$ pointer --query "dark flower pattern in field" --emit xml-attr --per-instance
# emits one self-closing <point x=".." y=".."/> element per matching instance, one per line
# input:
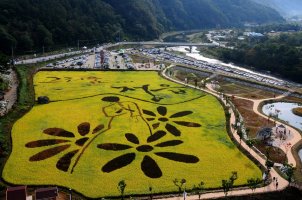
<point x="63" y="141"/>
<point x="148" y="165"/>
<point x="170" y="122"/>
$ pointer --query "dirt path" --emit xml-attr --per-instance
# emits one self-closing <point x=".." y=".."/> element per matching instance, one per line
<point x="282" y="183"/>
<point x="11" y="96"/>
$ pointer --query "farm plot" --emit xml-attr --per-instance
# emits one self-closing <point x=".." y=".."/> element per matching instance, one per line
<point x="103" y="127"/>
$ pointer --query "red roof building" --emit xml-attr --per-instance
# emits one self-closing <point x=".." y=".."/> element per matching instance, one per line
<point x="16" y="193"/>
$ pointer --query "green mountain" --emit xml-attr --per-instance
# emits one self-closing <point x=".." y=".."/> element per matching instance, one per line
<point x="31" y="24"/>
<point x="286" y="8"/>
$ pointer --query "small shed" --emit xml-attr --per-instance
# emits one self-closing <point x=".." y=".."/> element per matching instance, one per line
<point x="47" y="193"/>
<point x="280" y="129"/>
<point x="16" y="193"/>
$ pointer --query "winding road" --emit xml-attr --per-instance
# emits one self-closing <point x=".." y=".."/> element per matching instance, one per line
<point x="282" y="183"/>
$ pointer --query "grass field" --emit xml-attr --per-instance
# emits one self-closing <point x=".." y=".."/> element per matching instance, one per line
<point x="103" y="127"/>
<point x="245" y="91"/>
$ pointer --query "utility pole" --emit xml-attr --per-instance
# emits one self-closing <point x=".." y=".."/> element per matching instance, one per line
<point x="78" y="45"/>
<point x="13" y="62"/>
<point x="43" y="50"/>
<point x="12" y="52"/>
<point x="120" y="36"/>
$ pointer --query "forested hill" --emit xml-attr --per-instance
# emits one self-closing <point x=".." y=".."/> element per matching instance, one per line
<point x="31" y="24"/>
<point x="287" y="8"/>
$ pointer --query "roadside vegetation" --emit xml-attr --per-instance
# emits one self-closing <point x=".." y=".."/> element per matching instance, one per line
<point x="3" y="84"/>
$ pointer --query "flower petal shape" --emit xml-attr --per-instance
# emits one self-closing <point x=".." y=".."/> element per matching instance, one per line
<point x="82" y="141"/>
<point x="162" y="110"/>
<point x="84" y="128"/>
<point x="181" y="114"/>
<point x="178" y="157"/>
<point x="64" y="163"/>
<point x="148" y="112"/>
<point x="48" y="153"/>
<point x="173" y="130"/>
<point x="150" y="119"/>
<point x="98" y="129"/>
<point x="114" y="147"/>
<point x="132" y="138"/>
<point x="156" y="136"/>
<point x="169" y="143"/>
<point x="43" y="143"/>
<point x="58" y="132"/>
<point x="119" y="162"/>
<point x="150" y="168"/>
<point x="156" y="125"/>
<point x="188" y="124"/>
<point x="111" y="99"/>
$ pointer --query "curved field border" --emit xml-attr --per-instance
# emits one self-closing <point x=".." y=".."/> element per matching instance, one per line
<point x="273" y="173"/>
<point x="218" y="186"/>
<point x="268" y="188"/>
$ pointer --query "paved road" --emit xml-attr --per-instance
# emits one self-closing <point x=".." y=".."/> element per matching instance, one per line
<point x="167" y="44"/>
<point x="46" y="58"/>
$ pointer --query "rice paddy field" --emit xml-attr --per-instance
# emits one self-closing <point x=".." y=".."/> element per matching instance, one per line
<point x="103" y="127"/>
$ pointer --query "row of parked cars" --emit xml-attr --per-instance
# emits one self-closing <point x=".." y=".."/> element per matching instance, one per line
<point x="70" y="63"/>
<point x="98" y="60"/>
<point x="128" y="61"/>
<point x="163" y="55"/>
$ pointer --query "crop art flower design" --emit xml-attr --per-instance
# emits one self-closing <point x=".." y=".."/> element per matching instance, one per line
<point x="148" y="165"/>
<point x="64" y="141"/>
<point x="171" y="122"/>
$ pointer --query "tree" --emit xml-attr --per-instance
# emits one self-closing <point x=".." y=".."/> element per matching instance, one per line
<point x="240" y="134"/>
<point x="247" y="131"/>
<point x="121" y="187"/>
<point x="253" y="183"/>
<point x="289" y="172"/>
<point x="4" y="60"/>
<point x="179" y="184"/>
<point x="269" y="164"/>
<point x="199" y="189"/>
<point x="227" y="185"/>
<point x="250" y="143"/>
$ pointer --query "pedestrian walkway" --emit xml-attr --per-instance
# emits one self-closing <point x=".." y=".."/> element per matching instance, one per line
<point x="281" y="183"/>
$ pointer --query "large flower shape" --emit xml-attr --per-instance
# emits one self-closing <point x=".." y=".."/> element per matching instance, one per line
<point x="64" y="140"/>
<point x="170" y="121"/>
<point x="148" y="165"/>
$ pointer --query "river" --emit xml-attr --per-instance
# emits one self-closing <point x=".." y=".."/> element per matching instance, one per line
<point x="196" y="55"/>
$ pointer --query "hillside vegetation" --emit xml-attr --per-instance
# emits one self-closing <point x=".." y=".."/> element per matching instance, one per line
<point x="29" y="25"/>
<point x="286" y="8"/>
<point x="280" y="55"/>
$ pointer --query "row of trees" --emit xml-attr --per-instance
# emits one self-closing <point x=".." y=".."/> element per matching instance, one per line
<point x="227" y="185"/>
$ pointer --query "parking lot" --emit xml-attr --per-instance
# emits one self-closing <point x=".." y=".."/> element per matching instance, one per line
<point x="79" y="62"/>
<point x="165" y="56"/>
<point x="113" y="60"/>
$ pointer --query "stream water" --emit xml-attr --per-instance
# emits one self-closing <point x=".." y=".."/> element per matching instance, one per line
<point x="196" y="55"/>
<point x="284" y="112"/>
